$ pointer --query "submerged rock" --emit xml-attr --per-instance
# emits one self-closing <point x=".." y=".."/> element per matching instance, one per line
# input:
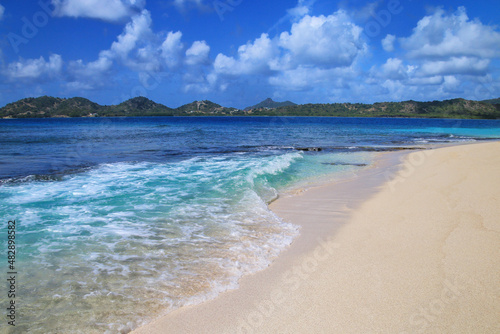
<point x="312" y="149"/>
<point x="345" y="164"/>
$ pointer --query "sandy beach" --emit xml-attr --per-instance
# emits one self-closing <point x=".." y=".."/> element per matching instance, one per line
<point x="413" y="248"/>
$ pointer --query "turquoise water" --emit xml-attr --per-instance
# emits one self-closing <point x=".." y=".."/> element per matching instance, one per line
<point x="121" y="220"/>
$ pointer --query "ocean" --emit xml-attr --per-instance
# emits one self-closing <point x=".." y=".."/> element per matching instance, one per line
<point x="120" y="220"/>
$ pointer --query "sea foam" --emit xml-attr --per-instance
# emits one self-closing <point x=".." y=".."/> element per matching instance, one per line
<point x="148" y="236"/>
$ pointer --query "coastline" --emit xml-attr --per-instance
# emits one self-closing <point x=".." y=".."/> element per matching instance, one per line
<point x="394" y="250"/>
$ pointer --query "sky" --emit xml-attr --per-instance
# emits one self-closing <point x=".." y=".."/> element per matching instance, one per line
<point x="239" y="52"/>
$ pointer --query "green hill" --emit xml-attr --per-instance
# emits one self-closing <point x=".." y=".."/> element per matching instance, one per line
<point x="204" y="108"/>
<point x="47" y="106"/>
<point x="270" y="104"/>
<point x="138" y="106"/>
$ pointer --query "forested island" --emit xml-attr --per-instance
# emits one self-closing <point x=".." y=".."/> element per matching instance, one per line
<point x="47" y="106"/>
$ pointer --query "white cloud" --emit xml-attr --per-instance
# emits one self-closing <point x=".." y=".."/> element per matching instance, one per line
<point x="424" y="81"/>
<point x="2" y="11"/>
<point x="294" y="14"/>
<point x="92" y="71"/>
<point x="35" y="68"/>
<point x="455" y="35"/>
<point x="102" y="64"/>
<point x="133" y="48"/>
<point x="394" y="69"/>
<point x="451" y="83"/>
<point x="302" y="9"/>
<point x="307" y="77"/>
<point x="318" y="54"/>
<point x="446" y="55"/>
<point x="107" y="10"/>
<point x="139" y="29"/>
<point x="325" y="41"/>
<point x="395" y="89"/>
<point x="388" y="43"/>
<point x="171" y="49"/>
<point x="88" y="76"/>
<point x="197" y="54"/>
<point x="139" y="49"/>
<point x="455" y="65"/>
<point x="253" y="58"/>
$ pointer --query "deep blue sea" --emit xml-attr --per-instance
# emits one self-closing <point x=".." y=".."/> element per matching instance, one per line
<point x="120" y="220"/>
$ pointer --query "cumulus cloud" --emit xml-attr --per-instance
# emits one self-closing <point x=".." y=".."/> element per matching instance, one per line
<point x="451" y="83"/>
<point x="447" y="54"/>
<point x="142" y="50"/>
<point x="132" y="48"/>
<point x="171" y="49"/>
<point x="455" y="35"/>
<point x="139" y="48"/>
<point x="455" y="65"/>
<point x="253" y="58"/>
<point x="388" y="43"/>
<point x="107" y="10"/>
<point x="313" y="43"/>
<point x="197" y="54"/>
<point x="394" y="69"/>
<point x="139" y="29"/>
<point x="317" y="51"/>
<point x="305" y="78"/>
<point x="325" y="41"/>
<point x="33" y="69"/>
<point x="89" y="75"/>
<point x="135" y="48"/>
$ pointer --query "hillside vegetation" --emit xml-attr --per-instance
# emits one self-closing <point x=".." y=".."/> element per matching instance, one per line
<point x="456" y="108"/>
<point x="270" y="104"/>
<point x="47" y="106"/>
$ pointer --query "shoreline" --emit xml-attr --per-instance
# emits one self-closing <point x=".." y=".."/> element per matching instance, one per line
<point x="355" y="190"/>
<point x="346" y="274"/>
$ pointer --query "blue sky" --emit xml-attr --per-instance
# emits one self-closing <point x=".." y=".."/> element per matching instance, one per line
<point x="239" y="52"/>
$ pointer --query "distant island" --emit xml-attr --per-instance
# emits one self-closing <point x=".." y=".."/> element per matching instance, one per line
<point x="47" y="106"/>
